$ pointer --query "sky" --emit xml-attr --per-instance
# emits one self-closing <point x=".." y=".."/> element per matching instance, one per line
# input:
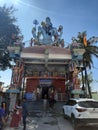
<point x="74" y="15"/>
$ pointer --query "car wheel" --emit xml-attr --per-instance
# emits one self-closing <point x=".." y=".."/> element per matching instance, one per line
<point x="74" y="123"/>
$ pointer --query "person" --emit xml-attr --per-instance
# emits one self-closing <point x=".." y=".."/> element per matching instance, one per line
<point x="51" y="101"/>
<point x="16" y="116"/>
<point x="45" y="102"/>
<point x="2" y="116"/>
<point x="24" y="112"/>
<point x="18" y="108"/>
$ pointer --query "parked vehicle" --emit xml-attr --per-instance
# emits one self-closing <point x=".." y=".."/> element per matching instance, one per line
<point x="81" y="111"/>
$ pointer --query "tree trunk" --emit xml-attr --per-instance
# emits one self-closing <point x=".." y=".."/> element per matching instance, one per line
<point x="87" y="81"/>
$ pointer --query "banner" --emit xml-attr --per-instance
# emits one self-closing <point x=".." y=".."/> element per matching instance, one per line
<point x="45" y="81"/>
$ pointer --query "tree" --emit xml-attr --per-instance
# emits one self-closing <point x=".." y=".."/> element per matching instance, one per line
<point x="90" y="50"/>
<point x="9" y="32"/>
<point x="90" y="78"/>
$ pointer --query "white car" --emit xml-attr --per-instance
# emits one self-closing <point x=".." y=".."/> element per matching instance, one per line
<point x="82" y="111"/>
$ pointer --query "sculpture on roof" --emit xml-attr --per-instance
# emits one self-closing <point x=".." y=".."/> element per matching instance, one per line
<point x="46" y="34"/>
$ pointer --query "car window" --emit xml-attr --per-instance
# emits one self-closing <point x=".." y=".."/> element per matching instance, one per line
<point x="88" y="104"/>
<point x="68" y="102"/>
<point x="95" y="104"/>
<point x="71" y="103"/>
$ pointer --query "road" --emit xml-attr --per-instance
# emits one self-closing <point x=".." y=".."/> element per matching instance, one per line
<point x="52" y="121"/>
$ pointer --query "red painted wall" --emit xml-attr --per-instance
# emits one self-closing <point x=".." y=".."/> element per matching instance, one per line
<point x="59" y="85"/>
<point x="31" y="85"/>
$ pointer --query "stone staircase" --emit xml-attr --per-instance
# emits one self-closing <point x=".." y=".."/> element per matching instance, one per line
<point x="35" y="108"/>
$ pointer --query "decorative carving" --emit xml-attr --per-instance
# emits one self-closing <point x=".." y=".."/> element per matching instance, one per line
<point x="47" y="34"/>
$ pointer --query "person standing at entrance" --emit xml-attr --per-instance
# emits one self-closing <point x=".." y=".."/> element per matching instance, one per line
<point x="24" y="112"/>
<point x="51" y="101"/>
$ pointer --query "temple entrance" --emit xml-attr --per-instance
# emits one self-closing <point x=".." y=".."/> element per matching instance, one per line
<point x="45" y="91"/>
<point x="45" y="85"/>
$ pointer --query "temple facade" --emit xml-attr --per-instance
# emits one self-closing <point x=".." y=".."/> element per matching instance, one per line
<point x="46" y="66"/>
<point x="46" y="70"/>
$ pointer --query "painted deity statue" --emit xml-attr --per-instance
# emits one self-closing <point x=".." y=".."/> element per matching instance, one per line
<point x="47" y="34"/>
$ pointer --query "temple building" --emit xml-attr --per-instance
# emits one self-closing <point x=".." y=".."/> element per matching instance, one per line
<point x="46" y="67"/>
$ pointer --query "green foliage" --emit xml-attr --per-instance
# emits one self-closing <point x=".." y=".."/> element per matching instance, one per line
<point x="9" y="32"/>
<point x="95" y="95"/>
<point x="90" y="78"/>
<point x="91" y="49"/>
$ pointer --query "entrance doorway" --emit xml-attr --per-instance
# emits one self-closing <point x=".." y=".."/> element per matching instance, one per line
<point x="45" y="85"/>
<point x="44" y="91"/>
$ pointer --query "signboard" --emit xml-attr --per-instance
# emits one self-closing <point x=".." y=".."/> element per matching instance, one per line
<point x="45" y="81"/>
<point x="77" y="91"/>
<point x="29" y="96"/>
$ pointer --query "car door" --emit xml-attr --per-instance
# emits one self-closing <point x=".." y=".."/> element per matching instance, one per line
<point x="70" y="107"/>
<point x="66" y="107"/>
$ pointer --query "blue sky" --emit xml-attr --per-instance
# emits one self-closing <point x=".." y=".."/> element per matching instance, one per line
<point x="74" y="15"/>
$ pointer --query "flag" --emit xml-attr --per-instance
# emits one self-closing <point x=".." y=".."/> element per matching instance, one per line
<point x="85" y="41"/>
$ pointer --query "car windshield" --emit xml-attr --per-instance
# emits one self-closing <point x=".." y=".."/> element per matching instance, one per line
<point x="88" y="104"/>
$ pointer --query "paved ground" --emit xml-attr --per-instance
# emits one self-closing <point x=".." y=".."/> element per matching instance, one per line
<point x="40" y="119"/>
<point x="47" y="120"/>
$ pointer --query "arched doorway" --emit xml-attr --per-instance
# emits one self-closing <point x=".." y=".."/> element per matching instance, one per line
<point x="45" y="90"/>
<point x="45" y="84"/>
